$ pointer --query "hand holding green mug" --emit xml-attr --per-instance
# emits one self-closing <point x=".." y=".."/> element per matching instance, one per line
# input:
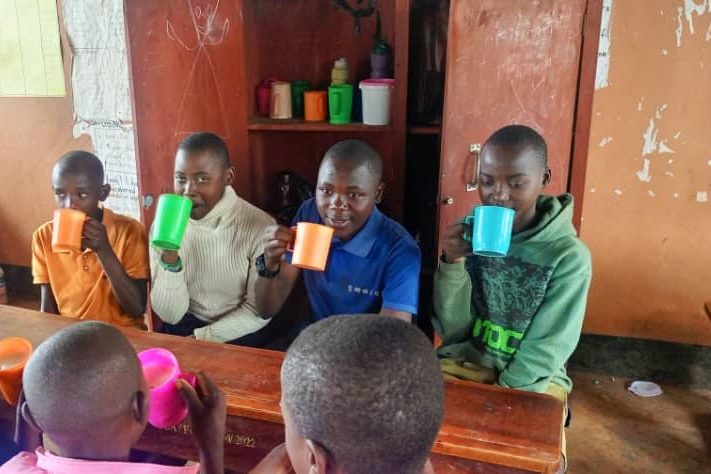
<point x="171" y="221"/>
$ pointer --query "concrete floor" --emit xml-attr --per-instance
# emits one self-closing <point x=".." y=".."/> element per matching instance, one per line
<point x="613" y="430"/>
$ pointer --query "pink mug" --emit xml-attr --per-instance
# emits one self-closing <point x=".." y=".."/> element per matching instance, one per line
<point x="161" y="369"/>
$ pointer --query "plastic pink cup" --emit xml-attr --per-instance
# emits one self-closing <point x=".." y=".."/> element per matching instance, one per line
<point x="161" y="370"/>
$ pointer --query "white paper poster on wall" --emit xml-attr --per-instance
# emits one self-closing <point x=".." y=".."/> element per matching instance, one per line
<point x="604" y="47"/>
<point x="102" y="101"/>
<point x="114" y="145"/>
<point x="100" y="85"/>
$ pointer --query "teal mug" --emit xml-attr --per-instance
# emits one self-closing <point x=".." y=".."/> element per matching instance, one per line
<point x="489" y="230"/>
<point x="340" y="103"/>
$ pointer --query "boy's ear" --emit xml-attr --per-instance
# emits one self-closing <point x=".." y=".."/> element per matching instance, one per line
<point x="104" y="191"/>
<point x="379" y="192"/>
<point x="318" y="458"/>
<point x="547" y="175"/>
<point x="230" y="175"/>
<point x="29" y="419"/>
<point x="139" y="406"/>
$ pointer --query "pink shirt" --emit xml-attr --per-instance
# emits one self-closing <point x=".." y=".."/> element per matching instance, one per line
<point x="40" y="462"/>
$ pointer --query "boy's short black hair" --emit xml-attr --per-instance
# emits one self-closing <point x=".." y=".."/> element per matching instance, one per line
<point x="369" y="389"/>
<point x="80" y="162"/>
<point x="206" y="141"/>
<point x="521" y="136"/>
<point x="356" y="153"/>
<point x="80" y="379"/>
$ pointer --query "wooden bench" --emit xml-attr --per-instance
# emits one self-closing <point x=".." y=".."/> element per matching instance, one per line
<point x="485" y="428"/>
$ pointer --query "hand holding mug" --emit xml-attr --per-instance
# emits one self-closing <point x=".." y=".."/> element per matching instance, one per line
<point x="276" y="243"/>
<point x="94" y="236"/>
<point x="170" y="257"/>
<point x="453" y="243"/>
<point x="207" y="413"/>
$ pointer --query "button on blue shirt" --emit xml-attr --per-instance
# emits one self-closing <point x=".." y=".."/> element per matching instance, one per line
<point x="377" y="268"/>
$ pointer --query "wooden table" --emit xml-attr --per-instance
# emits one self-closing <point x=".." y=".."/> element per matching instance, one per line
<point x="485" y="428"/>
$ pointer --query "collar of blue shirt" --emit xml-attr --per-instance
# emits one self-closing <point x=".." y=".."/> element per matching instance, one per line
<point x="361" y="243"/>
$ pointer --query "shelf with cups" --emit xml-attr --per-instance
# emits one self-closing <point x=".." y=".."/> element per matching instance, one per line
<point x="264" y="124"/>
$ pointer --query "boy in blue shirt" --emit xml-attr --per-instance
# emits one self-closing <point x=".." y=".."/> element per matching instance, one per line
<point x="373" y="264"/>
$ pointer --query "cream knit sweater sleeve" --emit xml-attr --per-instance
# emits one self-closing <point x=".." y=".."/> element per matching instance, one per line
<point x="169" y="290"/>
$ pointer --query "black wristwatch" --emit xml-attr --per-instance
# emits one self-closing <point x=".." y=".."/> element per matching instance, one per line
<point x="262" y="270"/>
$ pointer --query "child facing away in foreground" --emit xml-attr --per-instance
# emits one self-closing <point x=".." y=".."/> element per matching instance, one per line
<point x="360" y="394"/>
<point x="84" y="389"/>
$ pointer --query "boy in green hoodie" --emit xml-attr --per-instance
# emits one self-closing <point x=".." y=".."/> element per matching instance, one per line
<point x="515" y="321"/>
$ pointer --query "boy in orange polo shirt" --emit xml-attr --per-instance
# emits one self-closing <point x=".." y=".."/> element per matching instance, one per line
<point x="107" y="280"/>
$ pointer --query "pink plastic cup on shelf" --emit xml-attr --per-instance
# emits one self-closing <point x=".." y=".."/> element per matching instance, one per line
<point x="161" y="369"/>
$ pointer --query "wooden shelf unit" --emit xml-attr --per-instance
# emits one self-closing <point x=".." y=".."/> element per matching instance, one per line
<point x="263" y="124"/>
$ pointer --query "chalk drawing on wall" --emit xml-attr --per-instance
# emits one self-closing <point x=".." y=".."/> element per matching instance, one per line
<point x="201" y="106"/>
<point x="603" y="51"/>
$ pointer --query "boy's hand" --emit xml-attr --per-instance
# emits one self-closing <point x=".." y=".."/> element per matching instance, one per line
<point x="276" y="239"/>
<point x="94" y="236"/>
<point x="170" y="256"/>
<point x="276" y="462"/>
<point x="453" y="244"/>
<point x="207" y="413"/>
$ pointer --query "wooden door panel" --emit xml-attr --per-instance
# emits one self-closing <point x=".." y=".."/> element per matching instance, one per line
<point x="186" y="76"/>
<point x="508" y="61"/>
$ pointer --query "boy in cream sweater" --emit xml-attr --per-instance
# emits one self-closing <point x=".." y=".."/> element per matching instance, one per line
<point x="206" y="289"/>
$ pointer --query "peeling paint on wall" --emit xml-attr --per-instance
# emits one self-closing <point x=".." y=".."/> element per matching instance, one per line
<point x="643" y="174"/>
<point x="691" y="7"/>
<point x="605" y="141"/>
<point x="618" y="192"/>
<point x="702" y="196"/>
<point x="649" y="136"/>
<point x="663" y="148"/>
<point x="652" y="144"/>
<point x="603" y="51"/>
<point x="639" y="104"/>
<point x="651" y="193"/>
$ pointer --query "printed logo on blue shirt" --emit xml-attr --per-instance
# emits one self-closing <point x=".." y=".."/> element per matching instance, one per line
<point x="362" y="291"/>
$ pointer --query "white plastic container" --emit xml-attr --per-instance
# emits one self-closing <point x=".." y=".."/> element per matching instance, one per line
<point x="377" y="95"/>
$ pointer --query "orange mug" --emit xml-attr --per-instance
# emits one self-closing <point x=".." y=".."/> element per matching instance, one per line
<point x="312" y="243"/>
<point x="66" y="230"/>
<point x="14" y="353"/>
<point x="315" y="106"/>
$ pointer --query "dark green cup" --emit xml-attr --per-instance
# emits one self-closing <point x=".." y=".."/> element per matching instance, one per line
<point x="171" y="220"/>
<point x="297" y="97"/>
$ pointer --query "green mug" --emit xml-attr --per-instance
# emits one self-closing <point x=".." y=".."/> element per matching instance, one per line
<point x="171" y="220"/>
<point x="297" y="97"/>
<point x="340" y="103"/>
